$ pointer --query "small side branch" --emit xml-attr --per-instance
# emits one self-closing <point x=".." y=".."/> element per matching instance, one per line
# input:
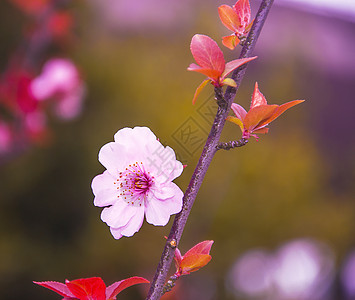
<point x="170" y="283"/>
<point x="232" y="144"/>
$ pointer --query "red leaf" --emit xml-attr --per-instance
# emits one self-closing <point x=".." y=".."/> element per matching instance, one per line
<point x="229" y="17"/>
<point x="194" y="262"/>
<point x="282" y="108"/>
<point x="201" y="248"/>
<point x="259" y="116"/>
<point x="242" y="8"/>
<point x="57" y="287"/>
<point x="257" y="98"/>
<point x="239" y="111"/>
<point x="199" y="89"/>
<point x="232" y="65"/>
<point x="207" y="53"/>
<point x="230" y="41"/>
<point x="114" y="289"/>
<point x="92" y="288"/>
<point x="210" y="73"/>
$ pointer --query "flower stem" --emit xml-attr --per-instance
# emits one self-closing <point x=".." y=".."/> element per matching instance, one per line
<point x="209" y="150"/>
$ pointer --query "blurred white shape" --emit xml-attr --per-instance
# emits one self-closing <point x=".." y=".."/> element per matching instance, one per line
<point x="345" y="8"/>
<point x="147" y="15"/>
<point x="252" y="273"/>
<point x="304" y="270"/>
<point x="348" y="275"/>
<point x="60" y="80"/>
<point x="301" y="269"/>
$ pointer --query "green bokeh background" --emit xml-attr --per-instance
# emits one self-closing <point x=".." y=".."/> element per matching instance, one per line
<point x="295" y="182"/>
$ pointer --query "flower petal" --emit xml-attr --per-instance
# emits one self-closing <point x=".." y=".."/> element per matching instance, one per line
<point x="207" y="53"/>
<point x="162" y="164"/>
<point x="258" y="98"/>
<point x="114" y="289"/>
<point x="118" y="215"/>
<point x="134" y="137"/>
<point x="157" y="212"/>
<point x="229" y="17"/>
<point x="112" y="157"/>
<point x="116" y="232"/>
<point x="232" y="65"/>
<point x="104" y="189"/>
<point x="135" y="223"/>
<point x="58" y="287"/>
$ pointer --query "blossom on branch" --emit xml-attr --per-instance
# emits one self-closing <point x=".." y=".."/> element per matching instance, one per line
<point x="259" y="115"/>
<point x="236" y="19"/>
<point x="210" y="62"/>
<point x="194" y="259"/>
<point x="137" y="182"/>
<point x="92" y="288"/>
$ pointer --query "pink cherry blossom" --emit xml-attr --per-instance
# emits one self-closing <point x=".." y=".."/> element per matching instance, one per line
<point x="5" y="137"/>
<point x="137" y="182"/>
<point x="60" y="80"/>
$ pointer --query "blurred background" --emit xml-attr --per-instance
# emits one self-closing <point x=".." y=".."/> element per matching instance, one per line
<point x="281" y="211"/>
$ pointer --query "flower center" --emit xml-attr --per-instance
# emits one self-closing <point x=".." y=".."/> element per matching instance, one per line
<point x="133" y="184"/>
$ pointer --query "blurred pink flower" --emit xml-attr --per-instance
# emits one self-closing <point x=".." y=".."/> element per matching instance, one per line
<point x="60" y="80"/>
<point x="137" y="182"/>
<point x="5" y="137"/>
<point x="35" y="124"/>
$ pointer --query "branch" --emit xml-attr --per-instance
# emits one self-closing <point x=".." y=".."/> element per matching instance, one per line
<point x="209" y="150"/>
<point x="232" y="144"/>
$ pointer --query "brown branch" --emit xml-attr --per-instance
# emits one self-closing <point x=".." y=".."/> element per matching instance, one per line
<point x="210" y="148"/>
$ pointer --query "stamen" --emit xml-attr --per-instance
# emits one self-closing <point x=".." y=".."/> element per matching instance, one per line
<point x="134" y="184"/>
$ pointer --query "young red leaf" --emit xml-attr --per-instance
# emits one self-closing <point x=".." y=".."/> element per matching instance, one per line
<point x="88" y="288"/>
<point x="199" y="89"/>
<point x="207" y="53"/>
<point x="210" y="62"/>
<point x="200" y="248"/>
<point x="194" y="259"/>
<point x="257" y="98"/>
<point x="234" y="64"/>
<point x="236" y="19"/>
<point x="114" y="289"/>
<point x="229" y="17"/>
<point x="242" y="8"/>
<point x="58" y="287"/>
<point x="259" y="115"/>
<point x="194" y="262"/>
<point x="230" y="41"/>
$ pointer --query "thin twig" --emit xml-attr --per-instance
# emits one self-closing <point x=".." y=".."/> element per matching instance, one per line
<point x="232" y="144"/>
<point x="210" y="148"/>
